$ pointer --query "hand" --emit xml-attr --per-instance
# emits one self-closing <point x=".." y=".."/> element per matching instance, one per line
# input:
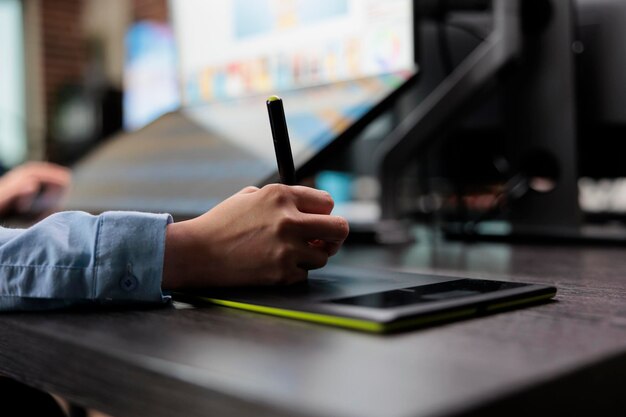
<point x="22" y="185"/>
<point x="273" y="235"/>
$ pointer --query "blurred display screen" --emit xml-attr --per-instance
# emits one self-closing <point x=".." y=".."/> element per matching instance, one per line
<point x="150" y="77"/>
<point x="234" y="48"/>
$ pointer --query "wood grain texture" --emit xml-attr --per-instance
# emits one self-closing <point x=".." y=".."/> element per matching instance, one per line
<point x="567" y="357"/>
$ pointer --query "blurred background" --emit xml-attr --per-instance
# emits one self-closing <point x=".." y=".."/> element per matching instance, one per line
<point x="74" y="73"/>
<point x="65" y="64"/>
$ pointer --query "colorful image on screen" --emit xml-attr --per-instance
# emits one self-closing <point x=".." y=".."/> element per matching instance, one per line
<point x="150" y="63"/>
<point x="238" y="48"/>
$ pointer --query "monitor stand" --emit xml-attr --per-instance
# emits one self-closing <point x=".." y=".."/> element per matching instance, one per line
<point x="449" y="99"/>
<point x="542" y="115"/>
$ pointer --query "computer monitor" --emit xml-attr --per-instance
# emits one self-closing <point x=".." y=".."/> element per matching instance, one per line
<point x="333" y="61"/>
<point x="234" y="48"/>
<point x="336" y="63"/>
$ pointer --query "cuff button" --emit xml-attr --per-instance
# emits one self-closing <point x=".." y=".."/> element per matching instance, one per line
<point x="129" y="282"/>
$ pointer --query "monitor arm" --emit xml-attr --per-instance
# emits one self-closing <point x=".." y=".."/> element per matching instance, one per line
<point x="444" y="102"/>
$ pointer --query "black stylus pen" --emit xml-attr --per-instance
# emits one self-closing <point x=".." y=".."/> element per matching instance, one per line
<point x="282" y="147"/>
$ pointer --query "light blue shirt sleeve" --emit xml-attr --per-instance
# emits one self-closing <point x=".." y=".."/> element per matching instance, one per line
<point x="73" y="258"/>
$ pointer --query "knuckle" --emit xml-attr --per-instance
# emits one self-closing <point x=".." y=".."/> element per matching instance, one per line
<point x="342" y="226"/>
<point x="279" y="194"/>
<point x="282" y="256"/>
<point x="328" y="200"/>
<point x="286" y="223"/>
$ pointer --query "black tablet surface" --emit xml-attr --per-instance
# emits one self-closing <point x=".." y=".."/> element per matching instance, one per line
<point x="379" y="301"/>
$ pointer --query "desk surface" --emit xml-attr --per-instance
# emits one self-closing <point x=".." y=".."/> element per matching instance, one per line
<point x="565" y="357"/>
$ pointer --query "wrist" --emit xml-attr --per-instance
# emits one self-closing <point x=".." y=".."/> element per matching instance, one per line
<point x="173" y="258"/>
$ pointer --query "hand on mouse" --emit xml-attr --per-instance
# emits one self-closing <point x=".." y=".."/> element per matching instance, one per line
<point x="21" y="186"/>
<point x="272" y="235"/>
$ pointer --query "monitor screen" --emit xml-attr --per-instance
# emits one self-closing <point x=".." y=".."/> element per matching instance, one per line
<point x="234" y="48"/>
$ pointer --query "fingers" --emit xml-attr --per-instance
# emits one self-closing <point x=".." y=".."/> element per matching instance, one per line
<point x="47" y="173"/>
<point x="306" y="199"/>
<point x="314" y="223"/>
<point x="324" y="227"/>
<point x="331" y="248"/>
<point x="312" y="257"/>
<point x="294" y="262"/>
<point x="310" y="200"/>
<point x="28" y="186"/>
<point x="326" y="232"/>
<point x="315" y="235"/>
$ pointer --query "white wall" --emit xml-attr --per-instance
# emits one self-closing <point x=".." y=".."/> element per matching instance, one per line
<point x="12" y="108"/>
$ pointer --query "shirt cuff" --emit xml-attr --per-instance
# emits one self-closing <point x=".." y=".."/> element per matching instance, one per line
<point x="129" y="255"/>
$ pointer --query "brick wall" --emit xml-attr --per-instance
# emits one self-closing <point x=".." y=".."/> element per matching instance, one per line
<point x="63" y="47"/>
<point x="156" y="10"/>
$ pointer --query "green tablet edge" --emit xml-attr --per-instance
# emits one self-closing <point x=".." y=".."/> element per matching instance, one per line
<point x="345" y="322"/>
<point x="372" y="326"/>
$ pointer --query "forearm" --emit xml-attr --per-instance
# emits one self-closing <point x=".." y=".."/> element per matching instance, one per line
<point x="72" y="257"/>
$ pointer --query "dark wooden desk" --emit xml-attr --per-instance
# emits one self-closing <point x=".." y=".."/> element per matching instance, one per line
<point x="563" y="358"/>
